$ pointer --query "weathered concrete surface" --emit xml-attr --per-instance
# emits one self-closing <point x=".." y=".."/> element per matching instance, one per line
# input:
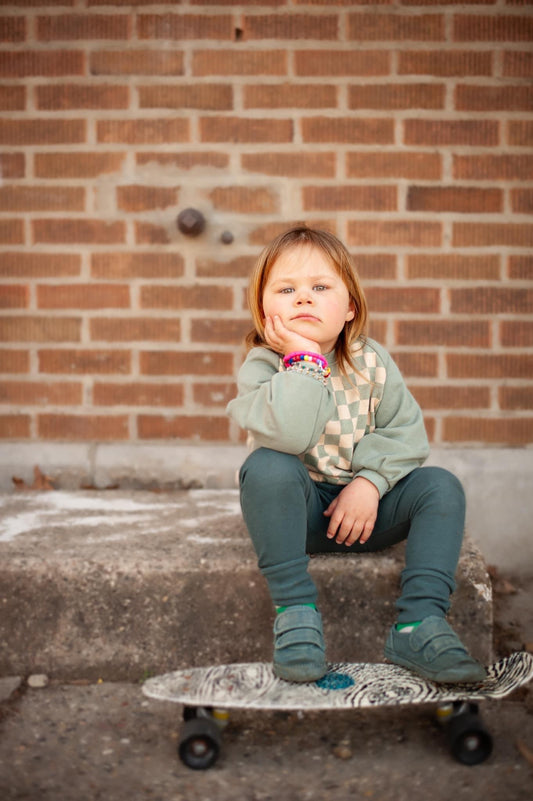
<point x="122" y="584"/>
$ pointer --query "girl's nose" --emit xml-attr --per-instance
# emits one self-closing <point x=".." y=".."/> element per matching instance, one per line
<point x="304" y="296"/>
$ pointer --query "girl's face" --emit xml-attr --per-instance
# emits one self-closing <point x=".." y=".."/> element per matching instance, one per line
<point x="310" y="297"/>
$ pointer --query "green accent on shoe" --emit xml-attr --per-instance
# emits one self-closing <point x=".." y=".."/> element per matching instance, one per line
<point x="280" y="609"/>
<point x="407" y="627"/>
<point x="299" y="650"/>
<point x="435" y="652"/>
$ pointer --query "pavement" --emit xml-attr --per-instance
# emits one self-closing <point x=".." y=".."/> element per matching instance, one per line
<point x="101" y="589"/>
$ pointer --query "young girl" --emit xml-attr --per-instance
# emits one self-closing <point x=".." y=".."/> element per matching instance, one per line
<point x="338" y="443"/>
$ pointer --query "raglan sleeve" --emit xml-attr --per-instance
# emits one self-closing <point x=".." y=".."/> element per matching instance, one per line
<point x="398" y="444"/>
<point x="282" y="409"/>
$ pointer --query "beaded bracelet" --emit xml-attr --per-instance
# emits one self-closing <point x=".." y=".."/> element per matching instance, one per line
<point x="313" y="364"/>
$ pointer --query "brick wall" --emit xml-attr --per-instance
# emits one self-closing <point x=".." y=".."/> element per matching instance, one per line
<point x="404" y="127"/>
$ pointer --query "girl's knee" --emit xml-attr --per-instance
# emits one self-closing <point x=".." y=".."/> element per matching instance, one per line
<point x="271" y="466"/>
<point x="443" y="483"/>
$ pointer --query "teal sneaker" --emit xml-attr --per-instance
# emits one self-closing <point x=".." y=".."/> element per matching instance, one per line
<point x="299" y="649"/>
<point x="435" y="652"/>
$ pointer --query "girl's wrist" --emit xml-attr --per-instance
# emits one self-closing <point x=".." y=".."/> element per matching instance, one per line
<point x="308" y="362"/>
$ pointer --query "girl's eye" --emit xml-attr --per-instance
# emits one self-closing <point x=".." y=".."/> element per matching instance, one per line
<point x="286" y="290"/>
<point x="320" y="287"/>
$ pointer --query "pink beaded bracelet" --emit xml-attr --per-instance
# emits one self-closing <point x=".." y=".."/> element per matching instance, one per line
<point x="292" y="359"/>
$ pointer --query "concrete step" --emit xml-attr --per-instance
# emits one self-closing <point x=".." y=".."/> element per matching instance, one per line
<point x="122" y="584"/>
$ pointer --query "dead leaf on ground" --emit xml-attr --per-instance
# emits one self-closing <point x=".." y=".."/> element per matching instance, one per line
<point x="40" y="482"/>
<point x="526" y="752"/>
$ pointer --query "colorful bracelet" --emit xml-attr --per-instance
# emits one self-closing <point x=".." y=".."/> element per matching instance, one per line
<point x="306" y="362"/>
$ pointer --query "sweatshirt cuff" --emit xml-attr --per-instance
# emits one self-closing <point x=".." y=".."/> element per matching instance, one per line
<point x="381" y="483"/>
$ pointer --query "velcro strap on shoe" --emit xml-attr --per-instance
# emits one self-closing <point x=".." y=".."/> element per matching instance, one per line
<point x="299" y="637"/>
<point x="298" y="617"/>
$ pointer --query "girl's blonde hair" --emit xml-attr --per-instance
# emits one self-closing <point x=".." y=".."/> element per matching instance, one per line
<point x="342" y="262"/>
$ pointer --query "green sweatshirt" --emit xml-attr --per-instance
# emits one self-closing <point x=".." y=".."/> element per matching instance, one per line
<point x="357" y="425"/>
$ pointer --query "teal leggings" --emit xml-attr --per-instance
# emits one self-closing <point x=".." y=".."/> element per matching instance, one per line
<point x="283" y="511"/>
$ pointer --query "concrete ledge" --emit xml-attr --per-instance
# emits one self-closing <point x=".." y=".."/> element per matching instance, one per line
<point x="121" y="584"/>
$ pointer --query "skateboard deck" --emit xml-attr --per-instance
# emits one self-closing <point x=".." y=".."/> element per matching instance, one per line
<point x="346" y="685"/>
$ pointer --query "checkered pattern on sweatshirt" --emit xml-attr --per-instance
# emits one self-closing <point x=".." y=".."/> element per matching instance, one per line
<point x="356" y="400"/>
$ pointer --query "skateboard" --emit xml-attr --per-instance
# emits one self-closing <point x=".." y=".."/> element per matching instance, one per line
<point x="207" y="694"/>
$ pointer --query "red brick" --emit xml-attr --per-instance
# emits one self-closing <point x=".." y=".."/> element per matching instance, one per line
<point x="41" y="198"/>
<point x="394" y="164"/>
<point x="185" y="26"/>
<point x="199" y="296"/>
<point x="52" y="63"/>
<point x="516" y="398"/>
<point x="75" y="96"/>
<point x="14" y="296"/>
<point x="349" y="197"/>
<point x="41" y="132"/>
<point x="516" y="333"/>
<point x="493" y="365"/>
<point x="193" y="427"/>
<point x="136" y="62"/>
<point x="415" y="364"/>
<point x="244" y="199"/>
<point x="494" y="28"/>
<point x="14" y="361"/>
<point x="453" y="266"/>
<point x="143" y="131"/>
<point x="375" y="266"/>
<point x="522" y="201"/>
<point x="445" y="63"/>
<point x="136" y="265"/>
<point x="213" y="96"/>
<point x="396" y="96"/>
<point x="521" y="267"/>
<point x="12" y="98"/>
<point x="186" y="363"/>
<point x="342" y="62"/>
<point x="396" y="27"/>
<point x="377" y="329"/>
<point x="72" y="427"/>
<point x="307" y="165"/>
<point x="518" y="63"/>
<point x="291" y="26"/>
<point x="492" y="234"/>
<point x="450" y="333"/>
<point x="493" y="98"/>
<point x="451" y="132"/>
<point x="77" y="165"/>
<point x="408" y="299"/>
<point x="394" y="233"/>
<point x="39" y="265"/>
<point x="14" y="426"/>
<point x="213" y="394"/>
<point x="83" y="296"/>
<point x="12" y="232"/>
<point x="520" y="133"/>
<point x="41" y="393"/>
<point x="500" y="430"/>
<point x="135" y="329"/>
<point x="145" y="198"/>
<point x="245" y="130"/>
<point x="231" y="332"/>
<point x="504" y="166"/>
<point x="491" y="300"/>
<point x="84" y="362"/>
<point x="150" y="234"/>
<point x="12" y="29"/>
<point x="40" y="329"/>
<point x="457" y="199"/>
<point x="81" y="231"/>
<point x="12" y="165"/>
<point x="452" y="397"/>
<point x="70" y="27"/>
<point x="184" y="160"/>
<point x="350" y="130"/>
<point x="239" y="62"/>
<point x="137" y="394"/>
<point x="287" y="95"/>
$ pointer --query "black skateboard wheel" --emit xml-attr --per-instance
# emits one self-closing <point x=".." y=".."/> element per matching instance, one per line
<point x="470" y="742"/>
<point x="199" y="744"/>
